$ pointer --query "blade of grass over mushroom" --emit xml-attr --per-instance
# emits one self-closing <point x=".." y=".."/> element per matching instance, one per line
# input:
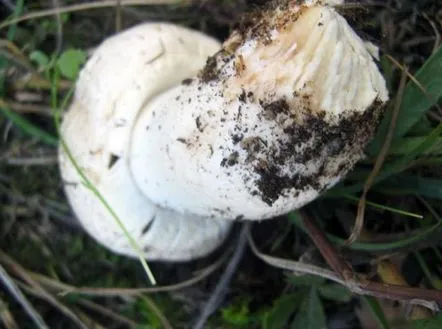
<point x="416" y="101"/>
<point x="87" y="183"/>
<point x="378" y="246"/>
<point x="89" y="6"/>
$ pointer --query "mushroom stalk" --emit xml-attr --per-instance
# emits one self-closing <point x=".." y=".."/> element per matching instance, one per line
<point x="279" y="114"/>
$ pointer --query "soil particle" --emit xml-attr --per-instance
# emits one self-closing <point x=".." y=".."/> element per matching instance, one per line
<point x="337" y="144"/>
<point x="236" y="138"/>
<point x="198" y="123"/>
<point x="186" y="82"/>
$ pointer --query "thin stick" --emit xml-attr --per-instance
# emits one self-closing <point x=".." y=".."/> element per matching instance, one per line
<point x="64" y="289"/>
<point x="358" y="283"/>
<point x="22" y="273"/>
<point x="352" y="283"/>
<point x="111" y="314"/>
<point x="221" y="288"/>
<point x="8" y="282"/>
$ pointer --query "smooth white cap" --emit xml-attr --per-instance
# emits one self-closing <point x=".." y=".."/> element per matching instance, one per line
<point x="124" y="73"/>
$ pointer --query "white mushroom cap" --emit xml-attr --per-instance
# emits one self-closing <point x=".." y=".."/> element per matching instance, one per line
<point x="280" y="114"/>
<point x="123" y="74"/>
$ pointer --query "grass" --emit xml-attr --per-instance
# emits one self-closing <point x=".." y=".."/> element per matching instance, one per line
<point x="48" y="257"/>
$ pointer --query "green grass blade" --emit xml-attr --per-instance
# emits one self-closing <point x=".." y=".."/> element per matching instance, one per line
<point x="382" y="207"/>
<point x="392" y="168"/>
<point x="407" y="144"/>
<point x="378" y="246"/>
<point x="415" y="102"/>
<point x="17" y="12"/>
<point x="87" y="183"/>
<point x="27" y="127"/>
<point x="411" y="184"/>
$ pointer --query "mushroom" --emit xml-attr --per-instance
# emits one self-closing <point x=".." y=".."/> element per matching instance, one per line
<point x="280" y="113"/>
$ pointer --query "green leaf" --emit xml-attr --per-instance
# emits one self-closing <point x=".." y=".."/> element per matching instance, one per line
<point x="377" y="311"/>
<point x="397" y="166"/>
<point x="311" y="314"/>
<point x="434" y="323"/>
<point x="281" y="311"/>
<point x="335" y="292"/>
<point x="405" y="145"/>
<point x="237" y="314"/>
<point x="40" y="58"/>
<point x="414" y="103"/>
<point x="70" y="62"/>
<point x="305" y="280"/>
<point x="410" y="184"/>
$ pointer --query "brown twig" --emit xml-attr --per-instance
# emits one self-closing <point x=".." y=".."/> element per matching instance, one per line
<point x="352" y="283"/>
<point x="356" y="282"/>
<point x="24" y="275"/>
<point x="359" y="222"/>
<point x="64" y="289"/>
<point x="110" y="314"/>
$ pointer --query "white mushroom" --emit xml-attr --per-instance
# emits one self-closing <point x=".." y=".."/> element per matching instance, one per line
<point x="124" y="73"/>
<point x="279" y="114"/>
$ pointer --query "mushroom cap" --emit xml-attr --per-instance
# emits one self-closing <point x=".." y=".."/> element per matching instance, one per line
<point x="277" y="116"/>
<point x="123" y="74"/>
